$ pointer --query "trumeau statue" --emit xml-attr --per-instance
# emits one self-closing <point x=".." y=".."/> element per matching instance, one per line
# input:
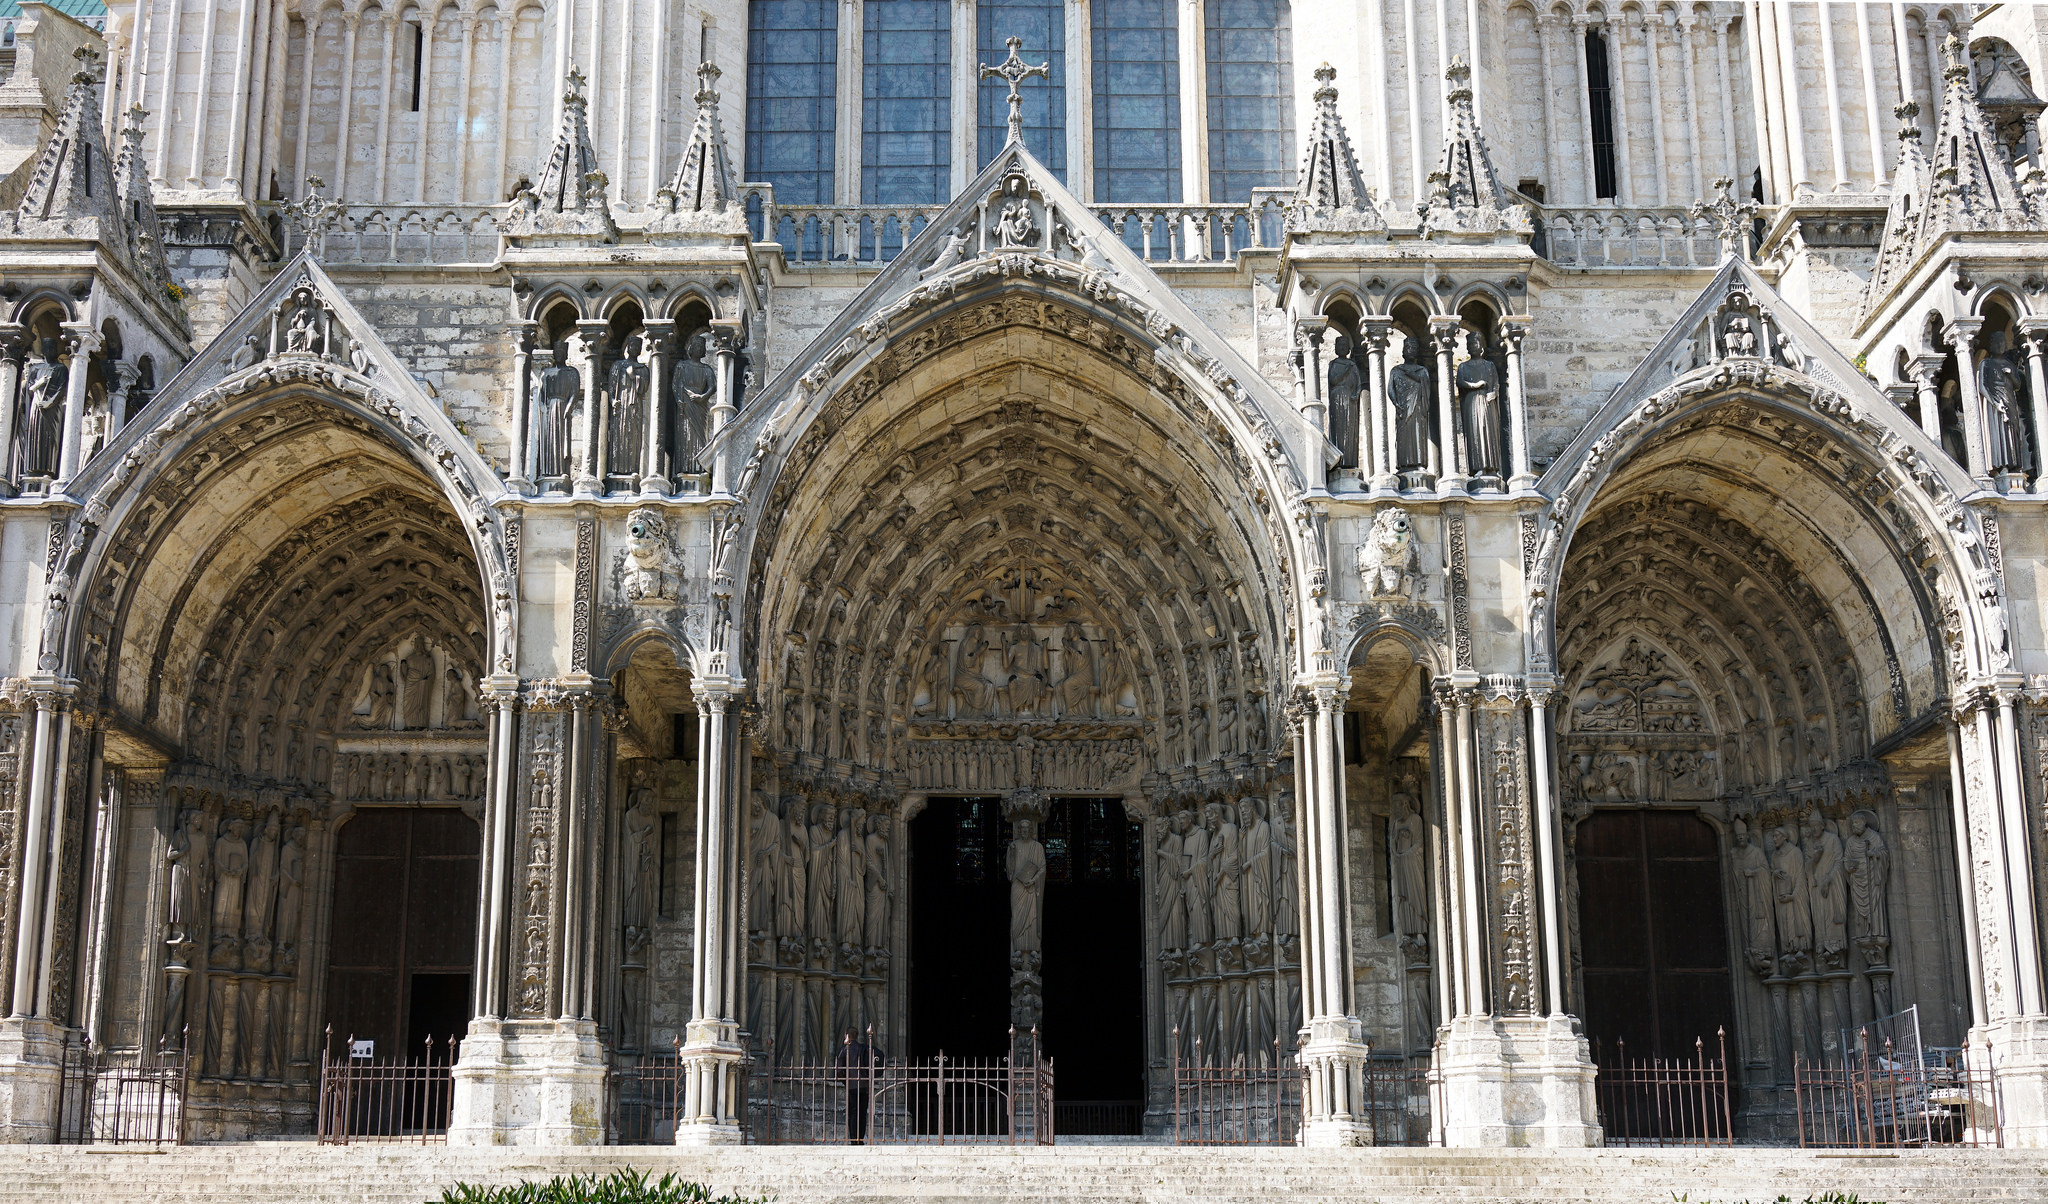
<point x="694" y="386"/>
<point x="43" y="386"/>
<point x="1024" y="864"/>
<point x="553" y="401"/>
<point x="626" y="387"/>
<point x="1346" y="382"/>
<point x="2003" y="387"/>
<point x="1410" y="395"/>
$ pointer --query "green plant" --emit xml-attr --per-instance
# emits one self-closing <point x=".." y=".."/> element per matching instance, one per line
<point x="622" y="1186"/>
<point x="1826" y="1197"/>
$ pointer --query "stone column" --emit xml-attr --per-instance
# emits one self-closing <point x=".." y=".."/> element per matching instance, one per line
<point x="2035" y="331"/>
<point x="661" y="335"/>
<point x="1308" y="334"/>
<point x="1513" y="329"/>
<point x="1451" y="472"/>
<point x="462" y="89"/>
<point x="518" y="476"/>
<point x="83" y="341"/>
<point x="1580" y="26"/>
<point x="31" y="1043"/>
<point x="351" y="23"/>
<point x="13" y="345"/>
<point x="590" y="465"/>
<point x="711" y="1052"/>
<point x="1548" y="843"/>
<point x="1923" y="370"/>
<point x="1334" y="1110"/>
<point x="725" y="353"/>
<point x="1376" y="332"/>
<point x="1962" y="336"/>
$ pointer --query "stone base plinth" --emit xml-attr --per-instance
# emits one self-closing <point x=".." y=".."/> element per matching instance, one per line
<point x="1334" y="1108"/>
<point x="2016" y="1050"/>
<point x="711" y="1059"/>
<point x="1515" y="1081"/>
<point x="523" y="1082"/>
<point x="31" y="1068"/>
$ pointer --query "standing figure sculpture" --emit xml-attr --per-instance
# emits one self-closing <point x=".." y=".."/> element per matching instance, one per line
<point x="881" y="885"/>
<point x="1789" y="902"/>
<point x="1168" y="885"/>
<point x="1025" y="867"/>
<point x="230" y="871"/>
<point x="793" y="888"/>
<point x="415" y="671"/>
<point x="764" y="860"/>
<point x="44" y="385"/>
<point x="553" y="401"/>
<point x="1197" y="887"/>
<point x="1227" y="903"/>
<point x="636" y="858"/>
<point x="849" y="866"/>
<point x="1409" y="393"/>
<point x="693" y="387"/>
<point x="1255" y="837"/>
<point x="1754" y="887"/>
<point x="1829" y="891"/>
<point x="1869" y="862"/>
<point x="2003" y="387"/>
<point x="1345" y="383"/>
<point x="1479" y="394"/>
<point x="1409" y="847"/>
<point x="817" y="852"/>
<point x="626" y="388"/>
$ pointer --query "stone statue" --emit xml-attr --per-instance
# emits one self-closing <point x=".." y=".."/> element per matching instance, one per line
<point x="817" y="851"/>
<point x="1869" y="863"/>
<point x="43" y="386"/>
<point x="1389" y="562"/>
<point x="1015" y="227"/>
<point x="1409" y="394"/>
<point x="1407" y="845"/>
<point x="1226" y="905"/>
<point x="626" y="388"/>
<point x="1789" y="902"/>
<point x="454" y="698"/>
<point x="849" y="867"/>
<point x="959" y="246"/>
<point x="2003" y="386"/>
<point x="1738" y="335"/>
<point x="415" y="671"/>
<point x="790" y="899"/>
<point x="299" y="335"/>
<point x="383" y="697"/>
<point x="1025" y="867"/>
<point x="230" y="870"/>
<point x="881" y="884"/>
<point x="179" y="857"/>
<point x="553" y="402"/>
<point x="1479" y="392"/>
<point x="1754" y="887"/>
<point x="1256" y="839"/>
<point x="637" y="857"/>
<point x="1346" y="382"/>
<point x="1286" y="911"/>
<point x="259" y="890"/>
<point x="1828" y="890"/>
<point x="764" y="852"/>
<point x="1195" y="888"/>
<point x="291" y="896"/>
<point x="694" y="386"/>
<point x="1168" y="886"/>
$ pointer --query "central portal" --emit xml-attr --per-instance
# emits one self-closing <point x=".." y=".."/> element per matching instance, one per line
<point x="966" y="986"/>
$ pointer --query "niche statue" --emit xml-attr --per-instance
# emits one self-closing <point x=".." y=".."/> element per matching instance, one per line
<point x="2004" y="390"/>
<point x="693" y="384"/>
<point x="1479" y="393"/>
<point x="626" y="430"/>
<point x="1408" y="389"/>
<point x="43" y="388"/>
<point x="559" y="385"/>
<point x="1345" y="384"/>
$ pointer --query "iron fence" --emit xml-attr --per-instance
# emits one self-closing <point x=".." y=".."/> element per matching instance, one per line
<point x="1237" y="1103"/>
<point x="860" y="1098"/>
<point x="1665" y="1101"/>
<point x="1401" y="1098"/>
<point x="1875" y="1098"/>
<point x="120" y="1098"/>
<point x="645" y="1096"/>
<point x="403" y="1100"/>
<point x="1099" y="1117"/>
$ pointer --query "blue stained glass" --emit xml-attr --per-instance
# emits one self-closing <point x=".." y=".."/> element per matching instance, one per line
<point x="1137" y="101"/>
<point x="792" y="66"/>
<point x="1251" y="97"/>
<point x="1043" y="26"/>
<point x="906" y="97"/>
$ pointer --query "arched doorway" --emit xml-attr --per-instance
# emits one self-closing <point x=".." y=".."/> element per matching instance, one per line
<point x="287" y="612"/>
<point x="1047" y="645"/>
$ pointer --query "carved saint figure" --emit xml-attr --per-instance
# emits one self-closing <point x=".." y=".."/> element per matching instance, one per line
<point x="1789" y="901"/>
<point x="1227" y="904"/>
<point x="1479" y="392"/>
<point x="230" y="870"/>
<point x="693" y="385"/>
<point x="1738" y="335"/>
<point x="416" y="671"/>
<point x="636" y="858"/>
<point x="764" y="851"/>
<point x="1829" y="889"/>
<point x="43" y="386"/>
<point x="1754" y="886"/>
<point x="1196" y="886"/>
<point x="849" y="866"/>
<point x="1025" y="866"/>
<point x="626" y="388"/>
<point x="1255" y="837"/>
<point x="1015" y="228"/>
<point x="789" y="901"/>
<point x="959" y="245"/>
<point x="299" y="335"/>
<point x="454" y="698"/>
<point x="1407" y="846"/>
<point x="1286" y="913"/>
<point x="881" y="885"/>
<point x="291" y="894"/>
<point x="2003" y="386"/>
<point x="560" y="385"/>
<point x="817" y="850"/>
<point x="1167" y="887"/>
<point x="1869" y="863"/>
<point x="1408" y="391"/>
<point x="181" y="890"/>
<point x="259" y="891"/>
<point x="1345" y="382"/>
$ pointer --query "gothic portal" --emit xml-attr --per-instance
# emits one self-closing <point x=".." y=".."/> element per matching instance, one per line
<point x="558" y="547"/>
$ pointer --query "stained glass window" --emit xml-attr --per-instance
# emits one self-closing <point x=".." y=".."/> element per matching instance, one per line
<point x="1251" y="97"/>
<point x="980" y="841"/>
<point x="1043" y="26"/>
<point x="792" y="66"/>
<point x="906" y="51"/>
<point x="1137" y="101"/>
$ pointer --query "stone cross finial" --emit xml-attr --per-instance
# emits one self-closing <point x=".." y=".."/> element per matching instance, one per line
<point x="1956" y="60"/>
<point x="1908" y="114"/>
<point x="1326" y="87"/>
<point x="707" y="85"/>
<point x="1460" y="75"/>
<point x="310" y="214"/>
<point x="88" y="65"/>
<point x="1730" y="216"/>
<point x="1016" y="70"/>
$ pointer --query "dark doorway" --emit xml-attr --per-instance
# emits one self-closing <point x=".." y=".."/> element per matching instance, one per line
<point x="1094" y="1026"/>
<point x="404" y="930"/>
<point x="1654" y="933"/>
<point x="959" y="931"/>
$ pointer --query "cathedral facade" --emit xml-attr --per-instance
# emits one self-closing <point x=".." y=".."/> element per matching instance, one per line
<point x="1458" y="536"/>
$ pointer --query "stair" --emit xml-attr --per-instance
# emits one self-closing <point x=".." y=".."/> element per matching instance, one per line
<point x="298" y="1172"/>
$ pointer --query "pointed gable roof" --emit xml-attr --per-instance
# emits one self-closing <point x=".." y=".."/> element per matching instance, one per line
<point x="1466" y="197"/>
<point x="1329" y="194"/>
<point x="703" y="194"/>
<point x="74" y="176"/>
<point x="570" y="199"/>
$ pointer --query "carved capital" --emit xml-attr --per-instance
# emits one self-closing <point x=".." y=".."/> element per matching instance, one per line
<point x="1962" y="333"/>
